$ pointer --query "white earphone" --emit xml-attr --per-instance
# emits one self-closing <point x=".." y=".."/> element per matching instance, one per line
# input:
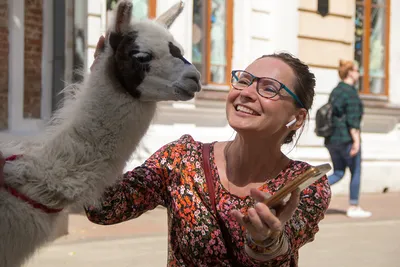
<point x="291" y="123"/>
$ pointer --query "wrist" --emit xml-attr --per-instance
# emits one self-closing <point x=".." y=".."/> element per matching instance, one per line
<point x="261" y="251"/>
<point x="356" y="144"/>
<point x="266" y="242"/>
<point x="266" y="246"/>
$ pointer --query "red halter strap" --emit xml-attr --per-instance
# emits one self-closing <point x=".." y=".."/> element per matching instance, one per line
<point x="21" y="196"/>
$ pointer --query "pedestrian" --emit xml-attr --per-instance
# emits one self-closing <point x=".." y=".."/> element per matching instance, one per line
<point x="344" y="143"/>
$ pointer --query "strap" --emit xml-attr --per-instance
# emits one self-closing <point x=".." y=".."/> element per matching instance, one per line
<point x="23" y="197"/>
<point x="207" y="173"/>
<point x="211" y="192"/>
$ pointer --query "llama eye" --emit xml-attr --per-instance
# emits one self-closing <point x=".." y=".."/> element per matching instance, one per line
<point x="142" y="57"/>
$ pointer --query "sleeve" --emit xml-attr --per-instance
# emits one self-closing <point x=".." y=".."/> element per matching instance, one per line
<point x="353" y="111"/>
<point x="140" y="190"/>
<point x="303" y="226"/>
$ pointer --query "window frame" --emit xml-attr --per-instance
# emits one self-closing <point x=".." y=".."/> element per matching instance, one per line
<point x="206" y="60"/>
<point x="367" y="5"/>
<point x="152" y="13"/>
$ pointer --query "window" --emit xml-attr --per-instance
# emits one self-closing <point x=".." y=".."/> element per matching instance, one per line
<point x="212" y="39"/>
<point x="141" y="8"/>
<point x="372" y="45"/>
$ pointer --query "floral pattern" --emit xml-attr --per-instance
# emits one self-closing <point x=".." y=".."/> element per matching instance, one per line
<point x="174" y="178"/>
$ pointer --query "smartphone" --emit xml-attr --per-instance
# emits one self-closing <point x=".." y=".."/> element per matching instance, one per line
<point x="313" y="174"/>
<point x="304" y="180"/>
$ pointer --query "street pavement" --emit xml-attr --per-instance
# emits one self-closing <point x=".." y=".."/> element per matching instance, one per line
<point x="341" y="242"/>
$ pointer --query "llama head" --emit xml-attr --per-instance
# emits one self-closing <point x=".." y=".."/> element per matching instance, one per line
<point x="148" y="61"/>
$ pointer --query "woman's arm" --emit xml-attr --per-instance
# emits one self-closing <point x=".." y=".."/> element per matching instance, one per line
<point x="355" y="135"/>
<point x="354" y="111"/>
<point x="140" y="190"/>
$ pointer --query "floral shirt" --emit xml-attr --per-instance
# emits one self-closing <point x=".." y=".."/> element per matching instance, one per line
<point x="174" y="178"/>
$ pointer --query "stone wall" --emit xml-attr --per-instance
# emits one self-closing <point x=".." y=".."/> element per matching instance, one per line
<point x="33" y="58"/>
<point x="4" y="64"/>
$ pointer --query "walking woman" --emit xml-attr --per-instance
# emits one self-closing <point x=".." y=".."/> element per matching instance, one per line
<point x="344" y="145"/>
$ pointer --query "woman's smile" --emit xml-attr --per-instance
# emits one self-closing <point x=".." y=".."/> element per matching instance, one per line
<point x="243" y="110"/>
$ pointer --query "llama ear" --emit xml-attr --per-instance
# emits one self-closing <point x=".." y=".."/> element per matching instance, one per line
<point x="169" y="16"/>
<point x="123" y="16"/>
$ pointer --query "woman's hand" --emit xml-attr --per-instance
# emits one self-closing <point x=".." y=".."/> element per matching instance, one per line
<point x="263" y="222"/>
<point x="99" y="48"/>
<point x="355" y="148"/>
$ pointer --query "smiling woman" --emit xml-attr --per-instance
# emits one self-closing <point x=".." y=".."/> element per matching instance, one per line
<point x="209" y="188"/>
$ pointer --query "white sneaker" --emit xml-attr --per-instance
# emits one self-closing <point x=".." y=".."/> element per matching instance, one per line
<point x="357" y="212"/>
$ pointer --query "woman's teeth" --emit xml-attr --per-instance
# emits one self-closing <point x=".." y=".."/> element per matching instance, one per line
<point x="245" y="110"/>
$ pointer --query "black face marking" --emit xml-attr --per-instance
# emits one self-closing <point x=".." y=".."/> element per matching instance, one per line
<point x="130" y="70"/>
<point x="175" y="52"/>
<point x="115" y="40"/>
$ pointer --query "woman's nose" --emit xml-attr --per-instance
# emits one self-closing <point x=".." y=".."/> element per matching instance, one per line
<point x="249" y="92"/>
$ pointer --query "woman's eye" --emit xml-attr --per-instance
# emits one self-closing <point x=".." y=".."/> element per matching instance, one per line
<point x="243" y="81"/>
<point x="269" y="89"/>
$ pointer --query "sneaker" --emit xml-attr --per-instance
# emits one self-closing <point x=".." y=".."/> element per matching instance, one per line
<point x="357" y="212"/>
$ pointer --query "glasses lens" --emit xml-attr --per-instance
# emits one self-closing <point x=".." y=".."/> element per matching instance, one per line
<point x="268" y="87"/>
<point x="241" y="80"/>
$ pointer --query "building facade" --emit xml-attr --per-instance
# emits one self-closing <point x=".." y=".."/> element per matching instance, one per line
<point x="217" y="36"/>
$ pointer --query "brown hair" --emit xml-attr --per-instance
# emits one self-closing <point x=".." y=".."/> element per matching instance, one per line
<point x="304" y="84"/>
<point x="345" y="66"/>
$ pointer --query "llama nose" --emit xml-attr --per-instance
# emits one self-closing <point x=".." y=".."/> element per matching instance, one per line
<point x="196" y="78"/>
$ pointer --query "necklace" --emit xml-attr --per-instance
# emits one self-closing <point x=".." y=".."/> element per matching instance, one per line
<point x="227" y="169"/>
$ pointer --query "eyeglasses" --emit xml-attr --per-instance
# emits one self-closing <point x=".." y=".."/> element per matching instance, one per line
<point x="266" y="87"/>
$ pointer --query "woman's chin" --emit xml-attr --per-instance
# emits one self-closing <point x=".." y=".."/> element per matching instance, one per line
<point x="242" y="126"/>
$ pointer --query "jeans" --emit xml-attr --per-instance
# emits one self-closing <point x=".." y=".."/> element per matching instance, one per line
<point x="341" y="159"/>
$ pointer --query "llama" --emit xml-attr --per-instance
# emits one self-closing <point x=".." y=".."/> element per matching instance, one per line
<point x="94" y="134"/>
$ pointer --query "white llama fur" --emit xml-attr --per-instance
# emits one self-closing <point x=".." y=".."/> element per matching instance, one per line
<point x="95" y="132"/>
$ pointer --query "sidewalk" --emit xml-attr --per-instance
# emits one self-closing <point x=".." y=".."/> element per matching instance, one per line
<point x="143" y="242"/>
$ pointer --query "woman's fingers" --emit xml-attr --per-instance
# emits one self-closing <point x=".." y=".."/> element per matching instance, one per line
<point x="238" y="216"/>
<point x="262" y="222"/>
<point x="99" y="49"/>
<point x="253" y="225"/>
<point x="268" y="218"/>
<point x="99" y="46"/>
<point x="291" y="205"/>
<point x="259" y="195"/>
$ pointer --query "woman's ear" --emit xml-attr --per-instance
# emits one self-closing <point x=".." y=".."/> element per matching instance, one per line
<point x="300" y="118"/>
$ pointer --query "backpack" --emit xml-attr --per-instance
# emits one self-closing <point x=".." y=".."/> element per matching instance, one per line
<point x="324" y="120"/>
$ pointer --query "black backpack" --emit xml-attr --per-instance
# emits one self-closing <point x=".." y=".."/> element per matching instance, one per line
<point x="324" y="120"/>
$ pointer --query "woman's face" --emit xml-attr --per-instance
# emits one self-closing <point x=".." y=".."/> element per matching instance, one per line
<point x="355" y="73"/>
<point x="248" y="112"/>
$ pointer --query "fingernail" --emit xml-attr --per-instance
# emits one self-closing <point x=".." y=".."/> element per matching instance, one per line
<point x="251" y="212"/>
<point x="259" y="206"/>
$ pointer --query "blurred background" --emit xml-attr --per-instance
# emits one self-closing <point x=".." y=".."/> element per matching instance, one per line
<point x="44" y="42"/>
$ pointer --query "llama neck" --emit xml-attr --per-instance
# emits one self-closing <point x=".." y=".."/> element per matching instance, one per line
<point x="103" y="124"/>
